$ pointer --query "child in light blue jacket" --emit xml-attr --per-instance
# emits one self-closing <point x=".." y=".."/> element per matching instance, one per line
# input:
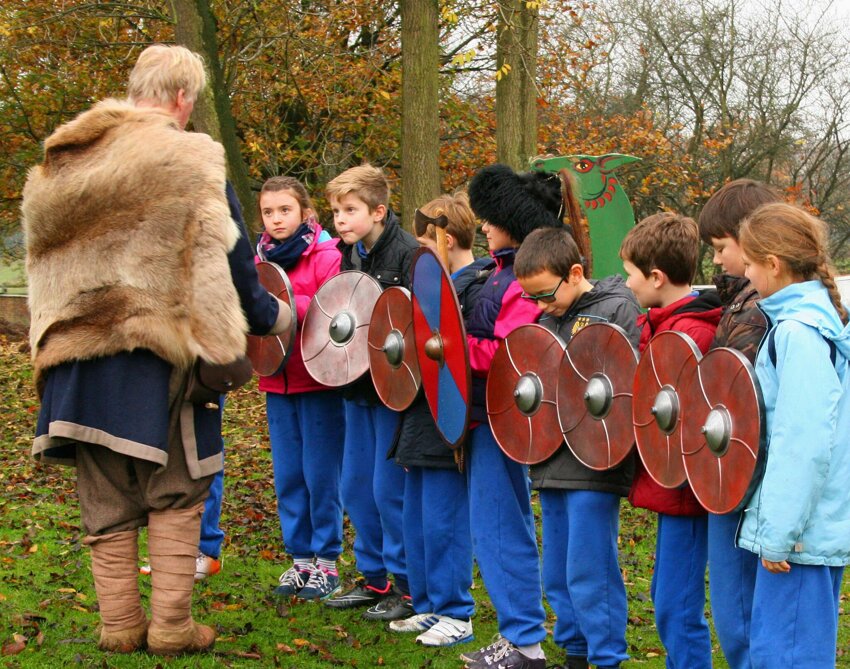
<point x="798" y="520"/>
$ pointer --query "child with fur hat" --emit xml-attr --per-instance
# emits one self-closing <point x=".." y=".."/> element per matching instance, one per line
<point x="503" y="537"/>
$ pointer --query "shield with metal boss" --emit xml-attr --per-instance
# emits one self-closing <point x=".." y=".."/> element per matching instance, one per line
<point x="441" y="346"/>
<point x="268" y="354"/>
<point x="722" y="430"/>
<point x="595" y="395"/>
<point x="521" y="394"/>
<point x="669" y="358"/>
<point x="392" y="349"/>
<point x="334" y="335"/>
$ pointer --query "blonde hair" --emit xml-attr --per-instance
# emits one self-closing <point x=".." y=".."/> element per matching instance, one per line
<point x="365" y="182"/>
<point x="795" y="237"/>
<point x="462" y="222"/>
<point x="162" y="70"/>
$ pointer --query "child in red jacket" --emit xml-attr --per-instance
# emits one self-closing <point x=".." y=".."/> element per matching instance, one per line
<point x="660" y="256"/>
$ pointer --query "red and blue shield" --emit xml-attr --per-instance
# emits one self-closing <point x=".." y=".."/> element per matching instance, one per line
<point x="441" y="346"/>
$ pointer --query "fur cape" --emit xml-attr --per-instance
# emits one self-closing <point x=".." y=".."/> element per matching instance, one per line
<point x="127" y="231"/>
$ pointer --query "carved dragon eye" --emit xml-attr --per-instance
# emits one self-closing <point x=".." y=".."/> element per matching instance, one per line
<point x="584" y="166"/>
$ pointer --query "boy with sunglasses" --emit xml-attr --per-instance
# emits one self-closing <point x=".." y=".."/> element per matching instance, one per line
<point x="580" y="506"/>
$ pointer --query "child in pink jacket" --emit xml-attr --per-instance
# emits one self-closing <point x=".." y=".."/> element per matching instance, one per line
<point x="305" y="418"/>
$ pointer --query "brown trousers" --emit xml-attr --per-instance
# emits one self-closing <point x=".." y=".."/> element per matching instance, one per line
<point x="117" y="491"/>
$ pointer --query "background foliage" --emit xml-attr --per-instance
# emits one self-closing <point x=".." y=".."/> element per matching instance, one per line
<point x="702" y="90"/>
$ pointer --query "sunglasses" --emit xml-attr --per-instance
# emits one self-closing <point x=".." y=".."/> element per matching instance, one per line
<point x="544" y="297"/>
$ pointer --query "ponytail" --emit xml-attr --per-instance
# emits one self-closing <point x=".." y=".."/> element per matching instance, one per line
<point x="827" y="278"/>
<point x="572" y="208"/>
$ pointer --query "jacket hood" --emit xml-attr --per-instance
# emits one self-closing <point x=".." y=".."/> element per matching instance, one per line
<point x="731" y="288"/>
<point x="808" y="302"/>
<point x="472" y="273"/>
<point x="704" y="306"/>
<point x="609" y="288"/>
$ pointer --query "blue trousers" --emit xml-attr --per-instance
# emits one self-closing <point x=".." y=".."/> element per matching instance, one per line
<point x="437" y="542"/>
<point x="212" y="536"/>
<point x="678" y="590"/>
<point x="795" y="618"/>
<point x="504" y="539"/>
<point x="373" y="490"/>
<point x="306" y="436"/>
<point x="731" y="580"/>
<point x="581" y="575"/>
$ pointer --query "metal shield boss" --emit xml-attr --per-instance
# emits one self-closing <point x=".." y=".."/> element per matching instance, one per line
<point x="594" y="396"/>
<point x="334" y="342"/>
<point x="669" y="358"/>
<point x="441" y="347"/>
<point x="268" y="354"/>
<point x="722" y="430"/>
<point x="392" y="349"/>
<point x="521" y="394"/>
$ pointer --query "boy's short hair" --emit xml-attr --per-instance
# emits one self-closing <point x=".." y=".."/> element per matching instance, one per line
<point x="365" y="181"/>
<point x="547" y="250"/>
<point x="666" y="241"/>
<point x="726" y="209"/>
<point x="461" y="221"/>
<point x="162" y="70"/>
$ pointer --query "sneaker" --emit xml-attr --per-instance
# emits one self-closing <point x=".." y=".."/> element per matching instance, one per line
<point x="360" y="595"/>
<point x="507" y="656"/>
<point x="447" y="632"/>
<point x="395" y="607"/>
<point x="292" y="581"/>
<point x="206" y="566"/>
<point x="476" y="655"/>
<point x="320" y="585"/>
<point x="419" y="623"/>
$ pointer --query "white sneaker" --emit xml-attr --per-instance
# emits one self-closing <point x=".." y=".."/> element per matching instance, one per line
<point x="447" y="632"/>
<point x="206" y="566"/>
<point x="418" y="623"/>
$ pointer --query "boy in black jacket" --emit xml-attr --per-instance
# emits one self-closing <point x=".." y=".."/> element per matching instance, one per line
<point x="437" y="537"/>
<point x="372" y="241"/>
<point x="581" y="575"/>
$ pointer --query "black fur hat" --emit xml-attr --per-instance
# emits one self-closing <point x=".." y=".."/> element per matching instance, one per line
<point x="516" y="203"/>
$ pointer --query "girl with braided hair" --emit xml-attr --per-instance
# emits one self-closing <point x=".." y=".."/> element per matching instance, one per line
<point x="798" y="519"/>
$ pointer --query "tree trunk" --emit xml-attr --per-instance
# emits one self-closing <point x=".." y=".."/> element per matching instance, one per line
<point x="420" y="126"/>
<point x="516" y="93"/>
<point x="195" y="29"/>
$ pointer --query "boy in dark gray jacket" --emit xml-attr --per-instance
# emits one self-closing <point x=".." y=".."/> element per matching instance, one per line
<point x="581" y="575"/>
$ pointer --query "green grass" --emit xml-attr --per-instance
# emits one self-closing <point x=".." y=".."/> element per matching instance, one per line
<point x="47" y="601"/>
<point x="13" y="277"/>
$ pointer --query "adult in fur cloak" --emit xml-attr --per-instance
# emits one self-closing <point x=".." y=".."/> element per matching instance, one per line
<point x="128" y="232"/>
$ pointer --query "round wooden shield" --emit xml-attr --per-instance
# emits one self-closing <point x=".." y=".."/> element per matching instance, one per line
<point x="595" y="395"/>
<point x="656" y="406"/>
<point x="334" y="335"/>
<point x="521" y="391"/>
<point x="392" y="349"/>
<point x="441" y="346"/>
<point x="722" y="430"/>
<point x="268" y="354"/>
